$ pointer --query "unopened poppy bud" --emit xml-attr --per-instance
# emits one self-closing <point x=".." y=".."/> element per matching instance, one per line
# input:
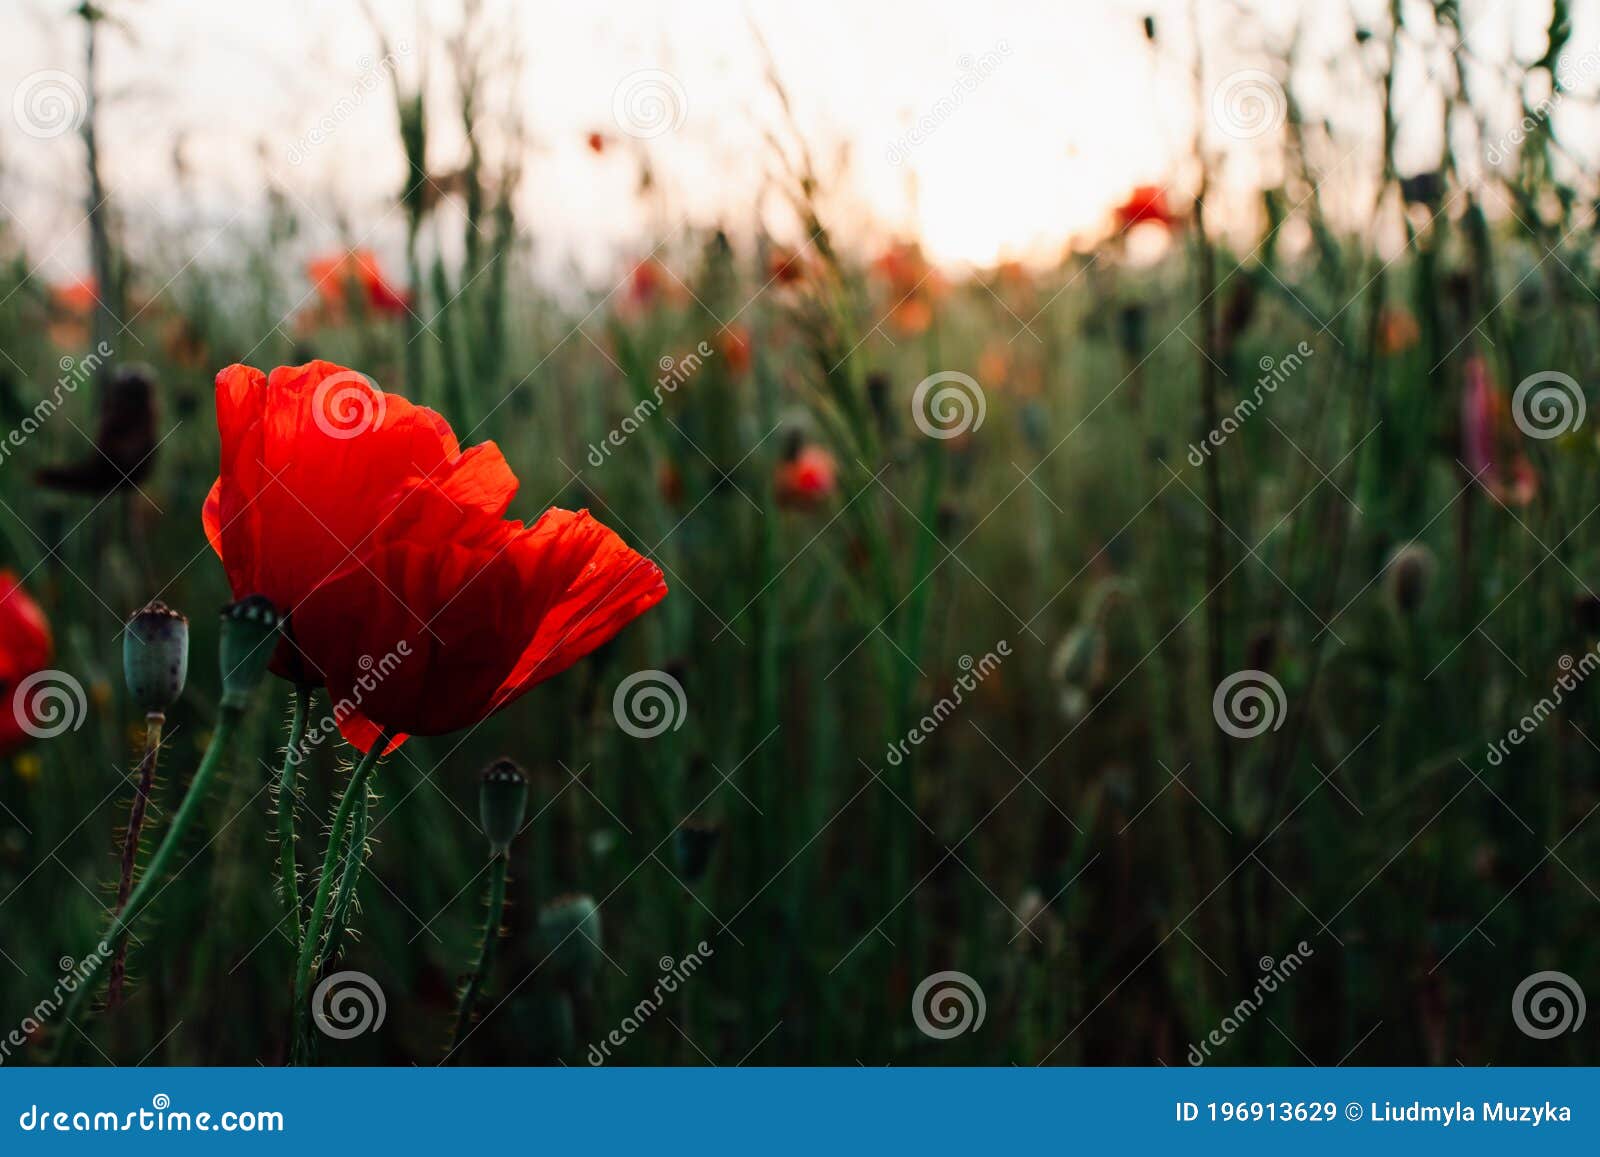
<point x="569" y="930"/>
<point x="502" y="801"/>
<point x="249" y="636"/>
<point x="155" y="656"/>
<point x="694" y="844"/>
<point x="1410" y="575"/>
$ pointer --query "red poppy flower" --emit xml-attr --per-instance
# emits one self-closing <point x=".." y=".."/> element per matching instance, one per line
<point x="76" y="297"/>
<point x="334" y="275"/>
<point x="1487" y="447"/>
<point x="1147" y="203"/>
<point x="734" y="345"/>
<point x="597" y="143"/>
<point x="408" y="593"/>
<point x="25" y="649"/>
<point x="806" y="479"/>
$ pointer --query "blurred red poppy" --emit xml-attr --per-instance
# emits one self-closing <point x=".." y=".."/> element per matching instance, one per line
<point x="334" y="276"/>
<point x="76" y="297"/>
<point x="409" y="594"/>
<point x="597" y="143"/>
<point x="806" y="479"/>
<point x="1146" y="204"/>
<point x="734" y="345"/>
<point x="1487" y="447"/>
<point x="25" y="649"/>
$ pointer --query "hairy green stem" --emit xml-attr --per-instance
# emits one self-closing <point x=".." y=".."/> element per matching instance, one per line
<point x="130" y="843"/>
<point x="145" y="891"/>
<point x="491" y="934"/>
<point x="319" y="908"/>
<point x="287" y="793"/>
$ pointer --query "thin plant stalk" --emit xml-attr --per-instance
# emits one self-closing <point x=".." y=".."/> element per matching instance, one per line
<point x="145" y="891"/>
<point x="287" y="794"/>
<point x="491" y="935"/>
<point x="319" y="908"/>
<point x="154" y="722"/>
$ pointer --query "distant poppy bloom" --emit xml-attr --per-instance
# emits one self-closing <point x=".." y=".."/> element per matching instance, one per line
<point x="650" y="283"/>
<point x="1146" y="204"/>
<point x="597" y="143"/>
<point x="734" y="345"/>
<point x="407" y="592"/>
<point x="335" y="274"/>
<point x="807" y="478"/>
<point x="76" y="297"/>
<point x="25" y="649"/>
<point x="71" y="306"/>
<point x="1397" y="330"/>
<point x="913" y="284"/>
<point x="1486" y="444"/>
<point x="785" y="266"/>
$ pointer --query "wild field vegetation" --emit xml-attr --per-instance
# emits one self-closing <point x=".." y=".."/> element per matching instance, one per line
<point x="1116" y="633"/>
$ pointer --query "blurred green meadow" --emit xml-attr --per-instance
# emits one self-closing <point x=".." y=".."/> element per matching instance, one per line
<point x="1115" y="631"/>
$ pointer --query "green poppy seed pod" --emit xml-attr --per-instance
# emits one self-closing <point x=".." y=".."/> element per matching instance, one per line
<point x="502" y="800"/>
<point x="155" y="657"/>
<point x="569" y="932"/>
<point x="693" y="844"/>
<point x="1409" y="577"/>
<point x="249" y="636"/>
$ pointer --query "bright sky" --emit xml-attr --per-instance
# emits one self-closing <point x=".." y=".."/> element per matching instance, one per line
<point x="1035" y="115"/>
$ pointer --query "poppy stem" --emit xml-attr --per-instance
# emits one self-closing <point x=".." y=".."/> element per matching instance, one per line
<point x="288" y="794"/>
<point x="491" y="935"/>
<point x="130" y="842"/>
<point x="354" y="858"/>
<point x="319" y="907"/>
<point x="144" y="892"/>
